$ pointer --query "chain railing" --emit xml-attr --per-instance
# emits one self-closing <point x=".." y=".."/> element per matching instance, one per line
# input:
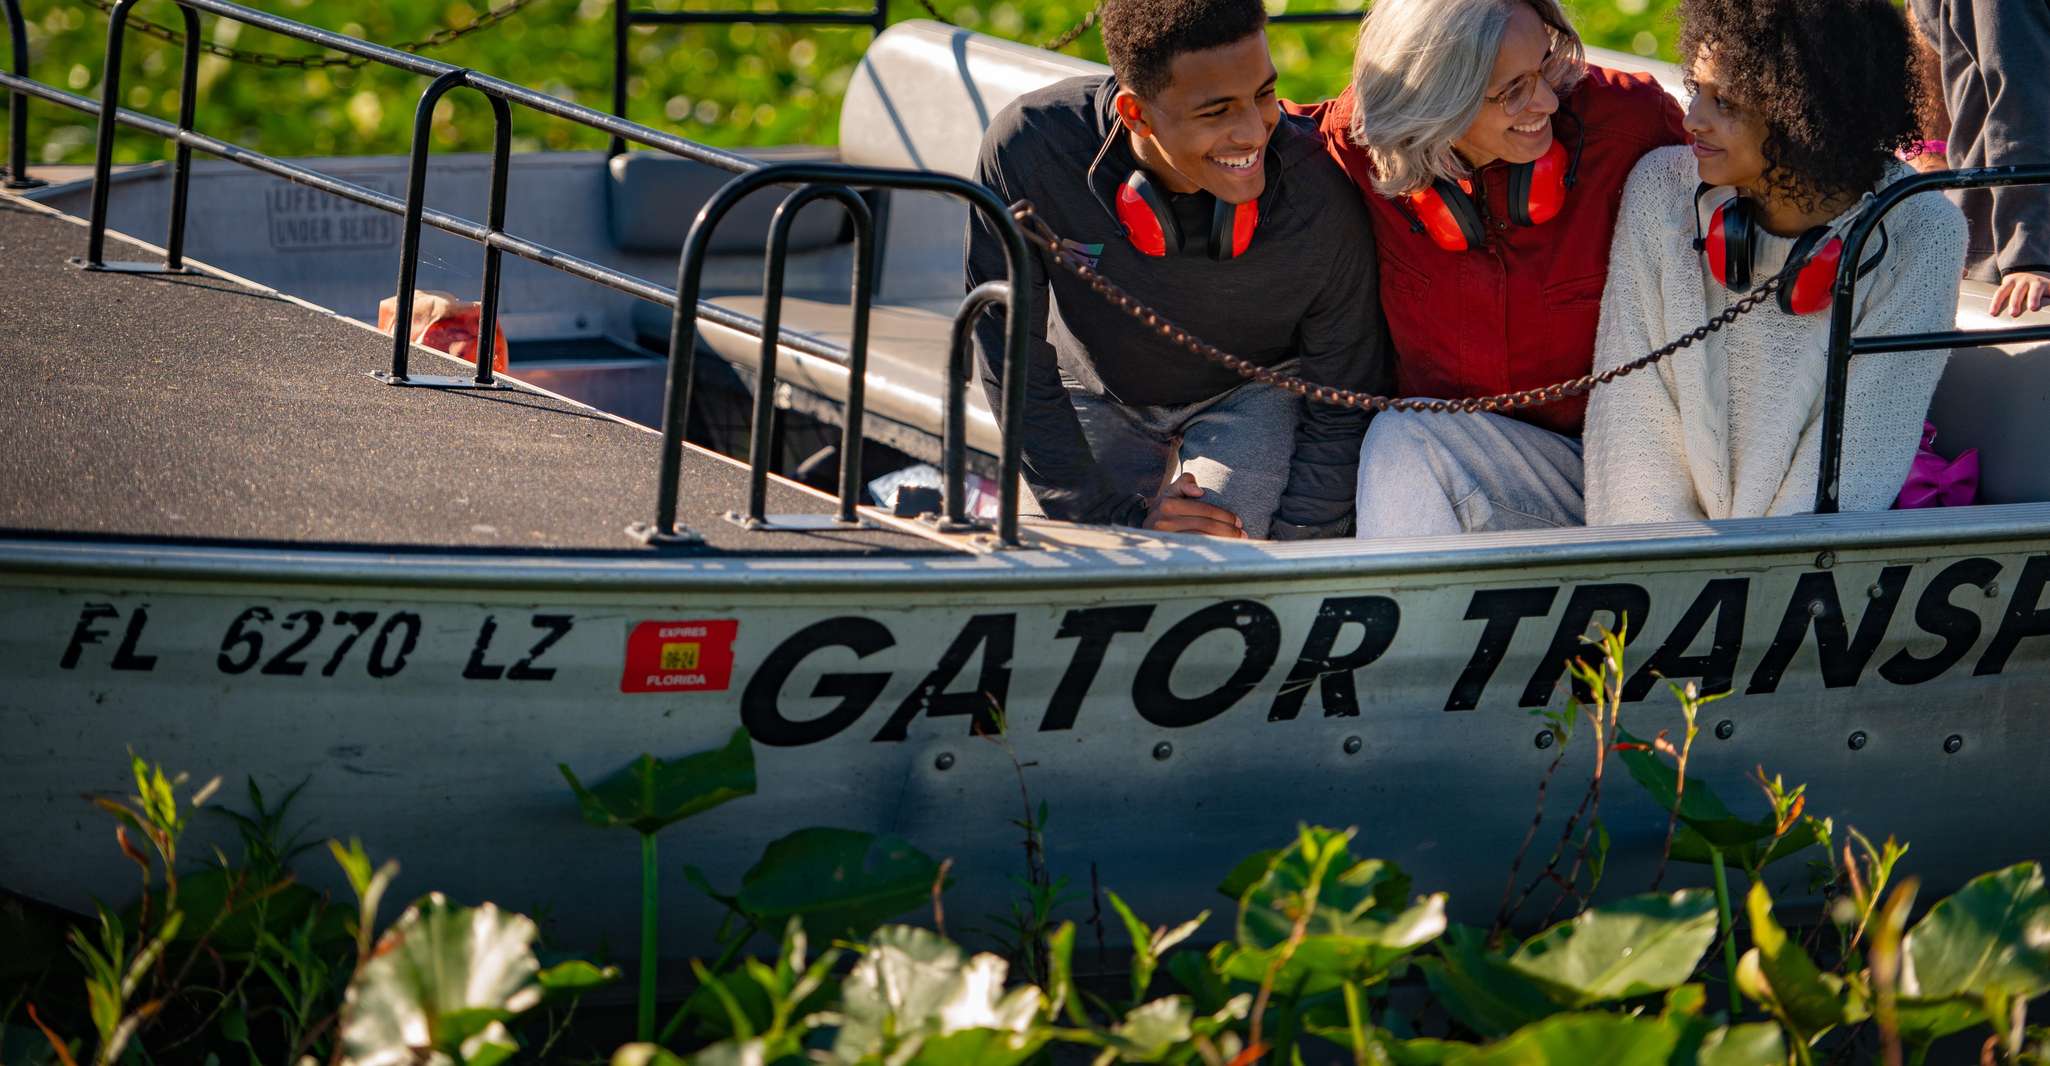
<point x="322" y="62"/>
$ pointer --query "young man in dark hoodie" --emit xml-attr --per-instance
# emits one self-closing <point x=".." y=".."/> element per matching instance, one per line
<point x="1183" y="182"/>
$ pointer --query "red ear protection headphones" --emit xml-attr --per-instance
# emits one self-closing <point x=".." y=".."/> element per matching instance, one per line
<point x="1537" y="191"/>
<point x="1732" y="240"/>
<point x="1149" y="222"/>
<point x="1147" y="219"/>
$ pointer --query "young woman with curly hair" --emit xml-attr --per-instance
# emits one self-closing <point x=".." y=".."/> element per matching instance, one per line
<point x="1491" y="157"/>
<point x="1799" y="107"/>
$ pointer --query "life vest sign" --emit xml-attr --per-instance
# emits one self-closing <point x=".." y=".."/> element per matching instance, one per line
<point x="686" y="656"/>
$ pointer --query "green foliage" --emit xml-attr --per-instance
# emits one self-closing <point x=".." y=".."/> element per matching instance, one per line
<point x="1632" y="947"/>
<point x="444" y="980"/>
<point x="1480" y="989"/>
<point x="1991" y="938"/>
<point x="839" y="882"/>
<point x="726" y="85"/>
<point x="1319" y="918"/>
<point x="915" y="998"/>
<point x="649" y="793"/>
<point x="1779" y="974"/>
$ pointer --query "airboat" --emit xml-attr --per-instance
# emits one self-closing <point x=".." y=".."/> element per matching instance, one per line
<point x="231" y="543"/>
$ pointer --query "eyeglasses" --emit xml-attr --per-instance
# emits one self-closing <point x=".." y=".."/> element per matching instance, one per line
<point x="1515" y="98"/>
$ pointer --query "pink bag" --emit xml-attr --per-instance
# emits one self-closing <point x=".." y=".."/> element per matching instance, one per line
<point x="1934" y="481"/>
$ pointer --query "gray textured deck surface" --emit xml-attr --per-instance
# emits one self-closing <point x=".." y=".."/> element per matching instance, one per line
<point x="192" y="407"/>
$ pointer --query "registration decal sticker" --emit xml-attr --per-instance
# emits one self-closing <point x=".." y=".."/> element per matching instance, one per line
<point x="686" y="656"/>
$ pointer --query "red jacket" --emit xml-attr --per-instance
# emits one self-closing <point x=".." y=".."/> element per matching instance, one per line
<point x="1520" y="313"/>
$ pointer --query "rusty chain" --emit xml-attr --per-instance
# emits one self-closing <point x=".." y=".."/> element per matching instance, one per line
<point x="436" y="39"/>
<point x="1039" y="233"/>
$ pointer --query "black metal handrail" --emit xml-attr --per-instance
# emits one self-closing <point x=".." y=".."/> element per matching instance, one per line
<point x="683" y="337"/>
<point x="17" y="102"/>
<point x="493" y="237"/>
<point x="1843" y="344"/>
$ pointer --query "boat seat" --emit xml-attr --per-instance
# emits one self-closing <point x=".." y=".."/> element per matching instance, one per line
<point x="653" y="197"/>
<point x="1993" y="399"/>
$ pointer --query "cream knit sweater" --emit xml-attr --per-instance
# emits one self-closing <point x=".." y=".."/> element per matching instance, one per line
<point x="1732" y="427"/>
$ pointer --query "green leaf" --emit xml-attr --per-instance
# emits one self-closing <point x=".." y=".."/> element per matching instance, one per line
<point x="841" y="882"/>
<point x="1355" y="927"/>
<point x="1753" y="1044"/>
<point x="1700" y="808"/>
<point x="1479" y="988"/>
<point x="1580" y="1039"/>
<point x="1923" y="1021"/>
<point x="452" y="974"/>
<point x="1631" y="947"/>
<point x="1247" y="873"/>
<point x="1689" y="846"/>
<point x="1991" y="937"/>
<point x="575" y="976"/>
<point x="913" y="993"/>
<point x="1796" y="989"/>
<point x="650" y="793"/>
<point x="1151" y="1032"/>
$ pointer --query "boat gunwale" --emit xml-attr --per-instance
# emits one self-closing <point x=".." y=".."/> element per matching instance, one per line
<point x="1144" y="561"/>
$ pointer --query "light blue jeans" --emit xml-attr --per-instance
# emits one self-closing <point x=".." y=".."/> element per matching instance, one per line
<point x="1424" y="475"/>
<point x="1237" y="446"/>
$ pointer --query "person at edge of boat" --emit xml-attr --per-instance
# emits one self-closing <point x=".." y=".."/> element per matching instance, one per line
<point x="1990" y="61"/>
<point x="1491" y="157"/>
<point x="1178" y="177"/>
<point x="1799" y="109"/>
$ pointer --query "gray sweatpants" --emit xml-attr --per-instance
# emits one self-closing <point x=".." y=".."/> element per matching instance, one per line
<point x="1425" y="475"/>
<point x="1237" y="446"/>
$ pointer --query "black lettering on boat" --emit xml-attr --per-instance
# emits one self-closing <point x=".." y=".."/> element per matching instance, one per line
<point x="556" y="626"/>
<point x="1935" y="614"/>
<point x="1152" y="691"/>
<point x="359" y="623"/>
<point x="1628" y="608"/>
<point x="477" y="669"/>
<point x="84" y="632"/>
<point x="1504" y="609"/>
<point x="1816" y="605"/>
<point x="1724" y="600"/>
<point x="2026" y="617"/>
<point x="386" y="662"/>
<point x="127" y="655"/>
<point x="1377" y="618"/>
<point x="282" y="664"/>
<point x="994" y="635"/>
<point x="760" y="709"/>
<point x="242" y="634"/>
<point x="1092" y="628"/>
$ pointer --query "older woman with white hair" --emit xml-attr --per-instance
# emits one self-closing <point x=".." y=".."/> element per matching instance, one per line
<point x="1492" y="159"/>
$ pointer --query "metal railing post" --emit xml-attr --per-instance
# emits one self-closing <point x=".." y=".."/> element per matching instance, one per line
<point x="622" y="22"/>
<point x="1843" y="346"/>
<point x="501" y="166"/>
<point x="103" y="150"/>
<point x="181" y="166"/>
<point x="409" y="240"/>
<point x="778" y="256"/>
<point x="954" y="424"/>
<point x="17" y="102"/>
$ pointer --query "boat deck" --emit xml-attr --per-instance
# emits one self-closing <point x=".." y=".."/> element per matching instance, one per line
<point x="199" y="408"/>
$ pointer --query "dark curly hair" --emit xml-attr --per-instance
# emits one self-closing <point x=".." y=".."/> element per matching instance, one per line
<point x="1833" y="82"/>
<point x="1142" y="37"/>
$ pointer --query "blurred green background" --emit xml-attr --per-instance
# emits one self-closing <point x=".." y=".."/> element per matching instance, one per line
<point x="726" y="85"/>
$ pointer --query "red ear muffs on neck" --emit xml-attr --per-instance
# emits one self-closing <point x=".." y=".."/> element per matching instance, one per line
<point x="1446" y="211"/>
<point x="1149" y="222"/>
<point x="1731" y="242"/>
